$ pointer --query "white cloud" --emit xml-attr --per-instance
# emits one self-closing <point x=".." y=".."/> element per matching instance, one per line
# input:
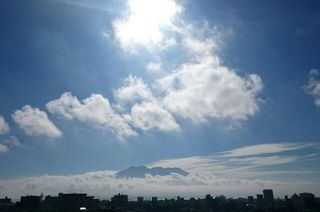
<point x="201" y="88"/>
<point x="104" y="183"/>
<point x="198" y="46"/>
<point x="153" y="67"/>
<point x="35" y="122"/>
<point x="245" y="163"/>
<point x="3" y="149"/>
<point x="134" y="89"/>
<point x="4" y="127"/>
<point x="12" y="141"/>
<point x="149" y="115"/>
<point x="145" y="22"/>
<point x="206" y="89"/>
<point x="95" y="110"/>
<point x="313" y="86"/>
<point x="207" y="174"/>
<point x="266" y="149"/>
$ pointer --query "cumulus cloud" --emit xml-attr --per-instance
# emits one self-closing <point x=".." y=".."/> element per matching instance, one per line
<point x="206" y="89"/>
<point x="144" y="24"/>
<point x="149" y="115"/>
<point x="134" y="89"/>
<point x="95" y="110"/>
<point x="4" y="127"/>
<point x="3" y="149"/>
<point x="198" y="46"/>
<point x="313" y="87"/>
<point x="153" y="67"/>
<point x="199" y="88"/>
<point x="35" y="122"/>
<point x="202" y="87"/>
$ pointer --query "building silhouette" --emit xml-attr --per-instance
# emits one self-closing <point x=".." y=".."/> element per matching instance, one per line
<point x="30" y="202"/>
<point x="250" y="200"/>
<point x="72" y="202"/>
<point x="268" y="196"/>
<point x="5" y="201"/>
<point x="259" y="199"/>
<point x="140" y="200"/>
<point x="119" y="201"/>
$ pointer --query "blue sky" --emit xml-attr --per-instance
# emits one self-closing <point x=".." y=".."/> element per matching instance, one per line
<point x="101" y="85"/>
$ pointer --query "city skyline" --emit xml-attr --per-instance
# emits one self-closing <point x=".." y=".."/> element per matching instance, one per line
<point x="190" y="96"/>
<point x="81" y="201"/>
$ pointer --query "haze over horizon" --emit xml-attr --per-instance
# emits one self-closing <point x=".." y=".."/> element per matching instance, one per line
<point x="222" y="97"/>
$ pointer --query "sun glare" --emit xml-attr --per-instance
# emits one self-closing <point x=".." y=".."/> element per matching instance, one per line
<point x="143" y="25"/>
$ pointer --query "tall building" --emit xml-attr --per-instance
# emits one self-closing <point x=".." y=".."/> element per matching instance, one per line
<point x="154" y="201"/>
<point x="30" y="201"/>
<point x="268" y="196"/>
<point x="5" y="201"/>
<point x="308" y="200"/>
<point x="259" y="199"/>
<point x="250" y="199"/>
<point x="140" y="200"/>
<point x="119" y="201"/>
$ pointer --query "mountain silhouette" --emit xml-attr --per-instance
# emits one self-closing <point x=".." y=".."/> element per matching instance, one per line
<point x="141" y="171"/>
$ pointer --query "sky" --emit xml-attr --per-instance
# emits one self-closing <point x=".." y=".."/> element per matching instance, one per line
<point x="229" y="91"/>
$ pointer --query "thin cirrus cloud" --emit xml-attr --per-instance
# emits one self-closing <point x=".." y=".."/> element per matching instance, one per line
<point x="35" y="122"/>
<point x="218" y="173"/>
<point x="4" y="127"/>
<point x="244" y="163"/>
<point x="266" y="149"/>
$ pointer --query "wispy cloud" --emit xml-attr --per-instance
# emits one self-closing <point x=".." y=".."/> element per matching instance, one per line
<point x="12" y="141"/>
<point x="313" y="87"/>
<point x="216" y="174"/>
<point x="247" y="163"/>
<point x="84" y="5"/>
<point x="266" y="149"/>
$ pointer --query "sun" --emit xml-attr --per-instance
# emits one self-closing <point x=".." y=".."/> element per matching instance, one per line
<point x="146" y="19"/>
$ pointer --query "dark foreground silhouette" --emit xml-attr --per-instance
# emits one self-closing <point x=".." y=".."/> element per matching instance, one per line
<point x="304" y="202"/>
